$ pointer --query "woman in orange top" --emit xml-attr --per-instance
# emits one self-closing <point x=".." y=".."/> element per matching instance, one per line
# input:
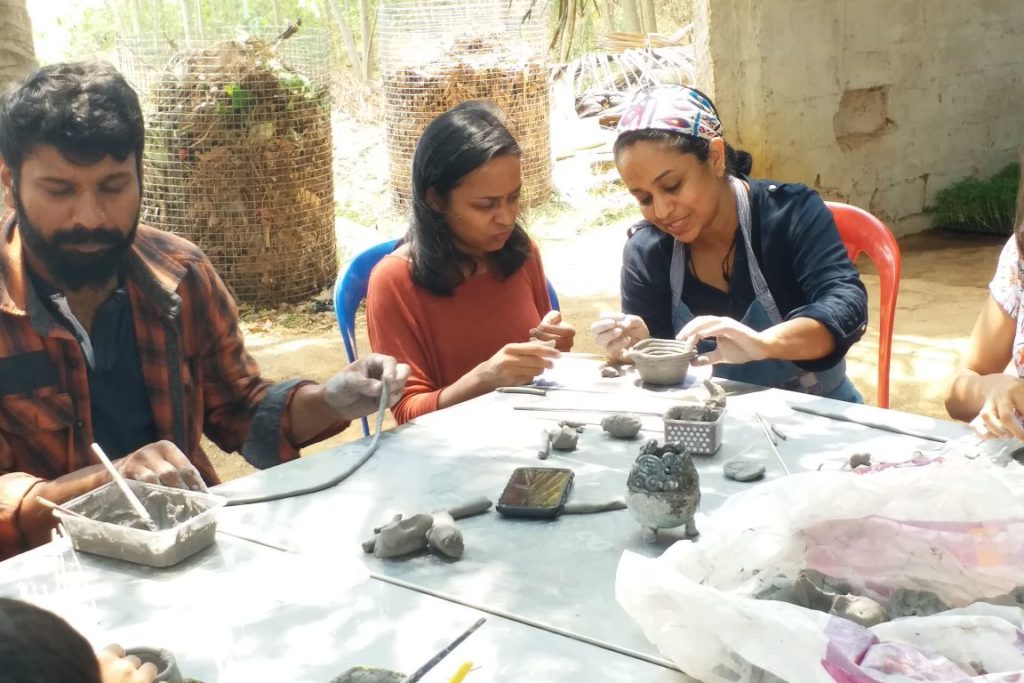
<point x="464" y="300"/>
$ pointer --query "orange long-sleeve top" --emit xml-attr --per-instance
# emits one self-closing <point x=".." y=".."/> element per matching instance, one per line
<point x="443" y="338"/>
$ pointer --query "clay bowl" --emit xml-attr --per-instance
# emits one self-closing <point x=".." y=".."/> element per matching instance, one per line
<point x="662" y="361"/>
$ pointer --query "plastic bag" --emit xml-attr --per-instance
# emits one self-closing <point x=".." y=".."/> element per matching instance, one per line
<point x="952" y="527"/>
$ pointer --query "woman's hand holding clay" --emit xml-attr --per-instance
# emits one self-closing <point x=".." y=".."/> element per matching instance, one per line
<point x="616" y="332"/>
<point x="115" y="667"/>
<point x="737" y="343"/>
<point x="553" y="328"/>
<point x="517" y="364"/>
<point x="1000" y="415"/>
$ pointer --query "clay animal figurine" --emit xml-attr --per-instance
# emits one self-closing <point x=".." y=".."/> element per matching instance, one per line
<point x="621" y="425"/>
<point x="663" y="489"/>
<point x="564" y="438"/>
<point x="662" y="361"/>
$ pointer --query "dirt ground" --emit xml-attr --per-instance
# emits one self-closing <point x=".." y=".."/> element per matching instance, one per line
<point x="943" y="285"/>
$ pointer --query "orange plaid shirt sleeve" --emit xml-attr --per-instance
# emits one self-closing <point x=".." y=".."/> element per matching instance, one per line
<point x="198" y="374"/>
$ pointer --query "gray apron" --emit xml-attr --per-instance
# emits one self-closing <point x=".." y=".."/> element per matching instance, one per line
<point x="762" y="314"/>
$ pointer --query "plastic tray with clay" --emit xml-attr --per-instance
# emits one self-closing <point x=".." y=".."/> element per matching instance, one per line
<point x="186" y="522"/>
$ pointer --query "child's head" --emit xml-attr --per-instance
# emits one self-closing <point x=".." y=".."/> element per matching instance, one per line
<point x="37" y="646"/>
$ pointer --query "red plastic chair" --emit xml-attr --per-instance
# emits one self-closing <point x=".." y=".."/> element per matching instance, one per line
<point x="862" y="232"/>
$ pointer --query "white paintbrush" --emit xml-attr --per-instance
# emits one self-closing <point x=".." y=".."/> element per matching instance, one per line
<point x="140" y="510"/>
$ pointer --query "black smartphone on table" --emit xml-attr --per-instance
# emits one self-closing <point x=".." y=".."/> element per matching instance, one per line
<point x="535" y="492"/>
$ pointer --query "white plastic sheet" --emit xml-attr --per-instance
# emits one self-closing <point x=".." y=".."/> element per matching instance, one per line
<point x="952" y="527"/>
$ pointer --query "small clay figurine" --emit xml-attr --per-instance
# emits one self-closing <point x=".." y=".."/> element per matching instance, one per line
<point x="860" y="459"/>
<point x="621" y="426"/>
<point x="437" y="530"/>
<point x="663" y="489"/>
<point x="610" y="370"/>
<point x="366" y="674"/>
<point x="743" y="469"/>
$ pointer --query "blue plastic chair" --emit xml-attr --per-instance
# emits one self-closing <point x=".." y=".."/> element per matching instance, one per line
<point x="350" y="290"/>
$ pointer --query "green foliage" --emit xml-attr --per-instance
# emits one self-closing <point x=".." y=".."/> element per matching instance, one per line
<point x="978" y="205"/>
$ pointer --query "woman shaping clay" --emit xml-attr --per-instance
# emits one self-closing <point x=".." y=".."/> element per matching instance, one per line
<point x="752" y="271"/>
<point x="464" y="300"/>
<point x="985" y="391"/>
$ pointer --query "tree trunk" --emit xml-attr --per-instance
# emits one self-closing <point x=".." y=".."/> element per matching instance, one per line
<point x="200" y="30"/>
<point x="650" y="20"/>
<point x="186" y="20"/>
<point x="631" y="16"/>
<point x="136" y="11"/>
<point x="609" y="15"/>
<point x="331" y="9"/>
<point x="367" y="31"/>
<point x="17" y="51"/>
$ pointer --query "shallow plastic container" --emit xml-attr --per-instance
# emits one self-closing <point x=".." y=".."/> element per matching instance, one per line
<point x="187" y="523"/>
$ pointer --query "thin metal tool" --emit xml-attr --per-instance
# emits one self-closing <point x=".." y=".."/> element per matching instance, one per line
<point x="422" y="671"/>
<point x="767" y="428"/>
<point x="868" y="423"/>
<point x="609" y="411"/>
<point x="140" y="510"/>
<point x="771" y="442"/>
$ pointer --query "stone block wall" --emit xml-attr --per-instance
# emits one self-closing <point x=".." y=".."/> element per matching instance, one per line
<point x="879" y="103"/>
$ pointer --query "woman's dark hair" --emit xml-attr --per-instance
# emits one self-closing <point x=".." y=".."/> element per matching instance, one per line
<point x="86" y="110"/>
<point x="737" y="162"/>
<point x="454" y="145"/>
<point x="37" y="646"/>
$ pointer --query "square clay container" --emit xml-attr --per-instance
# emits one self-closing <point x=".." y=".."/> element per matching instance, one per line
<point x="187" y="522"/>
<point x="699" y="438"/>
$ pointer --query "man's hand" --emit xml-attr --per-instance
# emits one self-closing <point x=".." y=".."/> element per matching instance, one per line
<point x="161" y="463"/>
<point x="552" y="328"/>
<point x="618" y="331"/>
<point x="1000" y="415"/>
<point x="737" y="343"/>
<point x="516" y="364"/>
<point x="115" y="667"/>
<point x="355" y="391"/>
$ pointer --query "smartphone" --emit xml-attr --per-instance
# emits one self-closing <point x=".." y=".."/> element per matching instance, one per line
<point x="535" y="492"/>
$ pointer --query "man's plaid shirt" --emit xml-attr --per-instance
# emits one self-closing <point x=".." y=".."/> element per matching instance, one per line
<point x="198" y="374"/>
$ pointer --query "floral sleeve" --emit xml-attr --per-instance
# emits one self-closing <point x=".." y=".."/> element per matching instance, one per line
<point x="1006" y="283"/>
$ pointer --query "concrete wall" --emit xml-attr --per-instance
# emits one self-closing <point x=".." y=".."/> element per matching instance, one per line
<point x="879" y="103"/>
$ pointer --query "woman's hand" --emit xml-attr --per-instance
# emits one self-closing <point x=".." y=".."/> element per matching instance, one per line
<point x="737" y="343"/>
<point x="552" y="328"/>
<point x="1001" y="414"/>
<point x="617" y="332"/>
<point x="115" y="667"/>
<point x="516" y="364"/>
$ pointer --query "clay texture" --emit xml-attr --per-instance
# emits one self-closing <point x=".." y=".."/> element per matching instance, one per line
<point x="743" y="469"/>
<point x="662" y="361"/>
<point x="663" y="489"/>
<point x="365" y="674"/>
<point x="621" y="426"/>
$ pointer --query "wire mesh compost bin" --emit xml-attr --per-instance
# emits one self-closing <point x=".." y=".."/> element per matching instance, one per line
<point x="435" y="54"/>
<point x="238" y="156"/>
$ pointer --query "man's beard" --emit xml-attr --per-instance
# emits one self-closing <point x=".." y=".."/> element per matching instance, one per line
<point x="77" y="270"/>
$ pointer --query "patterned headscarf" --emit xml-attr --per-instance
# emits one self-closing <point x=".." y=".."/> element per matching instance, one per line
<point x="671" y="107"/>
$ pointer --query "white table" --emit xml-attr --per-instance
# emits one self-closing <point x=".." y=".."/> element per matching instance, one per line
<point x="559" y="573"/>
<point x="548" y="585"/>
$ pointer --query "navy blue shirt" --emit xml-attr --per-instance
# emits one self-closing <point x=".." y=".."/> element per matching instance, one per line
<point x="797" y="247"/>
<point x="122" y="418"/>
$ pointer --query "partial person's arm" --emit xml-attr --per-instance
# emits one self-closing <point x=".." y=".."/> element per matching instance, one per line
<point x="981" y="387"/>
<point x="819" y="334"/>
<point x="395" y="330"/>
<point x="24" y="521"/>
<point x="645" y="288"/>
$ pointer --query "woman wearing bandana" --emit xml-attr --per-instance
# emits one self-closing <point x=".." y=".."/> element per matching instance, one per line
<point x="751" y="271"/>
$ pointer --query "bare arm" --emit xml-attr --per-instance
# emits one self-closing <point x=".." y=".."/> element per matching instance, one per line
<point x="981" y="374"/>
